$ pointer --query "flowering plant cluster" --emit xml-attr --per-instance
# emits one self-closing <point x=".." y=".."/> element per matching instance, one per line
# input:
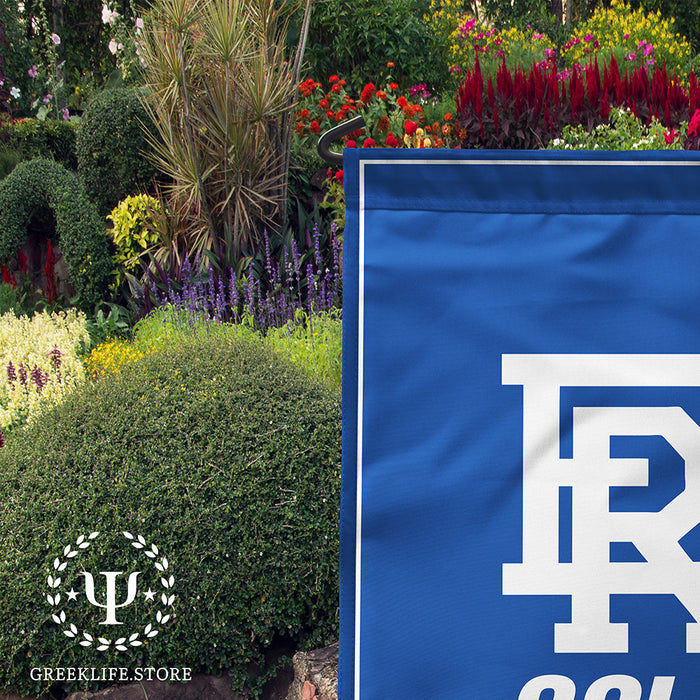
<point x="271" y="292"/>
<point x="44" y="84"/>
<point x="623" y="132"/>
<point x="635" y="38"/>
<point x="392" y="120"/>
<point x="529" y="109"/>
<point x="39" y="362"/>
<point x="26" y="296"/>
<point x="124" y="36"/>
<point x="469" y="38"/>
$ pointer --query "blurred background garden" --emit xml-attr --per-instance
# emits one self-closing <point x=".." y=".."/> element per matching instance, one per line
<point x="171" y="256"/>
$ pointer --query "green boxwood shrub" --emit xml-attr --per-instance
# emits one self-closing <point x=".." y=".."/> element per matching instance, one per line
<point x="40" y="184"/>
<point x="111" y="144"/>
<point x="216" y="451"/>
<point x="48" y="138"/>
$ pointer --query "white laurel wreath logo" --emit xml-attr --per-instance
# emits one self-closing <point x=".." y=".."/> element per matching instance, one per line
<point x="122" y="643"/>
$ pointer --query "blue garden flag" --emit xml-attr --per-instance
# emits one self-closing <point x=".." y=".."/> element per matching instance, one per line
<point x="521" y="410"/>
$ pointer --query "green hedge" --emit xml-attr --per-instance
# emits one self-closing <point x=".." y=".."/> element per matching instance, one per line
<point x="111" y="146"/>
<point x="48" y="138"/>
<point x="41" y="184"/>
<point x="213" y="449"/>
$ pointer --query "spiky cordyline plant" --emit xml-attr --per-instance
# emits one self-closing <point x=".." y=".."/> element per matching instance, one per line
<point x="220" y="89"/>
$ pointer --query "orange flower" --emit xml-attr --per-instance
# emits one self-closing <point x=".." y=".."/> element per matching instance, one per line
<point x="402" y="101"/>
<point x="448" y="116"/>
<point x="381" y="94"/>
<point x="333" y="79"/>
<point x="390" y="64"/>
<point x="393" y="86"/>
<point x="323" y="104"/>
<point x="336" y="89"/>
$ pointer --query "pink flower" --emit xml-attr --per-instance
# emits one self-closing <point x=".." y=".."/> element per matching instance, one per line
<point x="32" y="72"/>
<point x="56" y="39"/>
<point x="670" y="136"/>
<point x="65" y="114"/>
<point x="47" y="98"/>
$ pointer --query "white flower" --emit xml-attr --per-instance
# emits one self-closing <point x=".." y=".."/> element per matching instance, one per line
<point x="20" y="7"/>
<point x="139" y="23"/>
<point x="109" y="16"/>
<point x="56" y="39"/>
<point x="15" y="92"/>
<point x="114" y="47"/>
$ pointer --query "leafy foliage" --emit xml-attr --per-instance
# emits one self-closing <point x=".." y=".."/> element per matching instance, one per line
<point x="133" y="231"/>
<point x="623" y="132"/>
<point x="111" y="146"/>
<point x="228" y="459"/>
<point x="356" y="38"/>
<point x="48" y="138"/>
<point x="220" y="88"/>
<point x="39" y="185"/>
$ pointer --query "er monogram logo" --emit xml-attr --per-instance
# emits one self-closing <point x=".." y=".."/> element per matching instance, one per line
<point x="590" y="578"/>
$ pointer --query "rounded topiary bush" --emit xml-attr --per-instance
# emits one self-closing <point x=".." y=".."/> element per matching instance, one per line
<point x="225" y="458"/>
<point x="41" y="184"/>
<point x="33" y="138"/>
<point x="111" y="146"/>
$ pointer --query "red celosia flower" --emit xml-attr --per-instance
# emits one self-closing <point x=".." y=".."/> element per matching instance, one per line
<point x="333" y="79"/>
<point x="410" y="127"/>
<point x="694" y="126"/>
<point x="670" y="136"/>
<point x="22" y="261"/>
<point x="391" y="141"/>
<point x="51" y="292"/>
<point x="8" y="277"/>
<point x="350" y="144"/>
<point x="339" y="177"/>
<point x="315" y="127"/>
<point x="369" y="143"/>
